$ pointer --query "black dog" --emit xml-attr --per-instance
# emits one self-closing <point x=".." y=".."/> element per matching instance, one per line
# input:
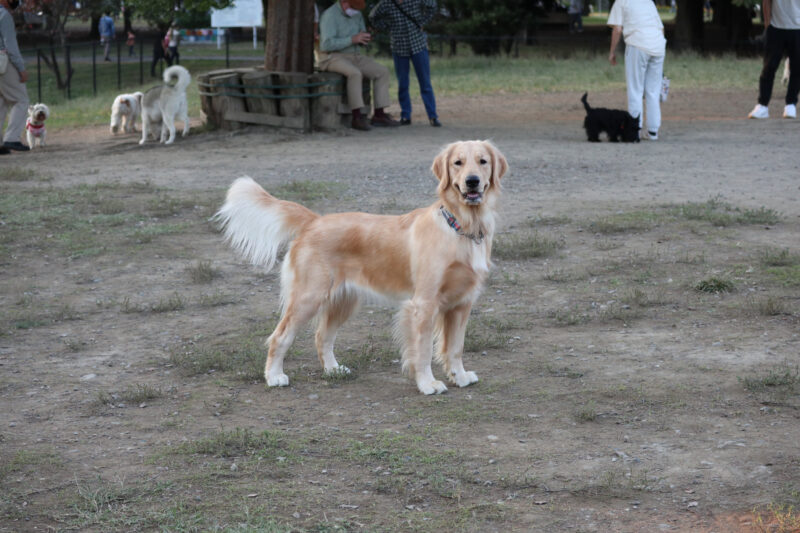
<point x="619" y="125"/>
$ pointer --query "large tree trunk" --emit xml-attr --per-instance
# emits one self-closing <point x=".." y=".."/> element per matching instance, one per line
<point x="290" y="35"/>
<point x="688" y="25"/>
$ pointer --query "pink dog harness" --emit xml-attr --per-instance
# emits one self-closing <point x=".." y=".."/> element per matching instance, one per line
<point x="37" y="130"/>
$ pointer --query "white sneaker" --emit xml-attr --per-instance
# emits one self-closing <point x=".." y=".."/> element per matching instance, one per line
<point x="652" y="135"/>
<point x="759" y="111"/>
<point x="790" y="111"/>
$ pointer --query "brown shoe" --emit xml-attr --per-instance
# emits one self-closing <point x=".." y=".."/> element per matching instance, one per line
<point x="360" y="124"/>
<point x="384" y="121"/>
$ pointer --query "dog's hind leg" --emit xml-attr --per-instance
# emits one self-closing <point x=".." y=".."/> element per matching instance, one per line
<point x="145" y="129"/>
<point x="298" y="312"/>
<point x="184" y="112"/>
<point x="451" y="345"/>
<point x="332" y="316"/>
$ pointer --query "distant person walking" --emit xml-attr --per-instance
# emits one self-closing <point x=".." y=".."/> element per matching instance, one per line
<point x="404" y="19"/>
<point x="782" y="37"/>
<point x="107" y="32"/>
<point x="13" y="93"/>
<point x="159" y="53"/>
<point x="131" y="42"/>
<point x="575" y="16"/>
<point x="637" y="21"/>
<point x="173" y="38"/>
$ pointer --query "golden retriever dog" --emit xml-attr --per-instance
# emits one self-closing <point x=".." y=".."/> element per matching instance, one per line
<point x="434" y="259"/>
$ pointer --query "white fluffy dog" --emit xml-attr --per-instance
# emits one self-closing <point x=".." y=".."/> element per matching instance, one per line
<point x="163" y="104"/>
<point x="124" y="110"/>
<point x="34" y="127"/>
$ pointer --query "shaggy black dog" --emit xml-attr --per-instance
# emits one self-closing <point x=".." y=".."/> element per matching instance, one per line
<point x="619" y="125"/>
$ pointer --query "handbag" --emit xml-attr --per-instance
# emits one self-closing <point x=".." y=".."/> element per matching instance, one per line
<point x="3" y="61"/>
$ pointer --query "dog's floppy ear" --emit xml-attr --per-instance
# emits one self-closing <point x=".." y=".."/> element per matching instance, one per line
<point x="499" y="163"/>
<point x="441" y="168"/>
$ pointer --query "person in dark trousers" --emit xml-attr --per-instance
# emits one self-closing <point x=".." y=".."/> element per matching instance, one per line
<point x="782" y="37"/>
<point x="158" y="55"/>
<point x="404" y="19"/>
<point x="107" y="31"/>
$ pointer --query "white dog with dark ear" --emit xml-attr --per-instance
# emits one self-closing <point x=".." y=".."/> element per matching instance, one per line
<point x="165" y="103"/>
<point x="34" y="127"/>
<point x="124" y="110"/>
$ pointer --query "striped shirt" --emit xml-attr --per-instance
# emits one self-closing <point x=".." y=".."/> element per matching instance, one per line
<point x="408" y="38"/>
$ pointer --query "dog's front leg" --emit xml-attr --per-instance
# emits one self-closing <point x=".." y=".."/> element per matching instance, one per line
<point x="417" y="321"/>
<point x="145" y="129"/>
<point x="454" y="326"/>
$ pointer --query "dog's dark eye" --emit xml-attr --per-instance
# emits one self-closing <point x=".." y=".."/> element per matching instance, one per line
<point x="483" y="161"/>
<point x="457" y="163"/>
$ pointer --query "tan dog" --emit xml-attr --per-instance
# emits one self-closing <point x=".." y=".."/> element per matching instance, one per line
<point x="435" y="259"/>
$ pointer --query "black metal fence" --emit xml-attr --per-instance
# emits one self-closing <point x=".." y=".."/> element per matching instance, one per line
<point x="59" y="73"/>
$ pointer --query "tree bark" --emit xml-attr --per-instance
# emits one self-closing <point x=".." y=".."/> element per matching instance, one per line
<point x="688" y="25"/>
<point x="290" y="35"/>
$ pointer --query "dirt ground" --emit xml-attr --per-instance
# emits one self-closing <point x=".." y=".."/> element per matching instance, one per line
<point x="614" y="395"/>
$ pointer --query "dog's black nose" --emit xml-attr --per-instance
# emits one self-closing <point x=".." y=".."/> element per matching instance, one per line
<point x="473" y="181"/>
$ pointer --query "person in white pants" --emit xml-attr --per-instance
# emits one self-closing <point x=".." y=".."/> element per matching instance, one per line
<point x="638" y="23"/>
<point x="13" y="93"/>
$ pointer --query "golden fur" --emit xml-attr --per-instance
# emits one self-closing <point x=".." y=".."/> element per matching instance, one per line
<point x="416" y="257"/>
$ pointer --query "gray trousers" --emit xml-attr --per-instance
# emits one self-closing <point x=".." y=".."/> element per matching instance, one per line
<point x="13" y="96"/>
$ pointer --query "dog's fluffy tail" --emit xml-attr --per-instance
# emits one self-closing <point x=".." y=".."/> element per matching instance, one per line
<point x="257" y="224"/>
<point x="178" y="77"/>
<point x="585" y="102"/>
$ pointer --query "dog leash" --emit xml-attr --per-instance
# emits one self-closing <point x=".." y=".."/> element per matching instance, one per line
<point x="452" y="221"/>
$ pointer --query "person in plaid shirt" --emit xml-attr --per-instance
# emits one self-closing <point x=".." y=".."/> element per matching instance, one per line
<point x="404" y="20"/>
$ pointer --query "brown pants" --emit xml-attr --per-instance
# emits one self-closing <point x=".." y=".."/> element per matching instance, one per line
<point x="356" y="67"/>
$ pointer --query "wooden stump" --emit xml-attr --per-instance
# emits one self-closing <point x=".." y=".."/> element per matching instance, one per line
<point x="325" y="108"/>
<point x="296" y="109"/>
<point x="225" y="99"/>
<point x="254" y="83"/>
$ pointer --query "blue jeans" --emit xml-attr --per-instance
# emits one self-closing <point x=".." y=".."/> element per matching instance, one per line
<point x="422" y="68"/>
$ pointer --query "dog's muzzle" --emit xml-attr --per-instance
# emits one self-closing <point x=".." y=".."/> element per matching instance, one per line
<point x="473" y="194"/>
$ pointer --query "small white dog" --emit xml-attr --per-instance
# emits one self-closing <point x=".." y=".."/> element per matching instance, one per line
<point x="165" y="103"/>
<point x="34" y="127"/>
<point x="124" y="110"/>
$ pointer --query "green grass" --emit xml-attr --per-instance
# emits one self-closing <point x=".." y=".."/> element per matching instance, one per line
<point x="526" y="245"/>
<point x="780" y="377"/>
<point x="714" y="285"/>
<point x="239" y="443"/>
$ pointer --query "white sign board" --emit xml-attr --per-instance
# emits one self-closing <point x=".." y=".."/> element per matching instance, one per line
<point x="242" y="14"/>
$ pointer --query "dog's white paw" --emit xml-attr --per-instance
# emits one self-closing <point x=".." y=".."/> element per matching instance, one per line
<point x="141" y="142"/>
<point x="432" y="387"/>
<point x="278" y="380"/>
<point x="338" y="370"/>
<point x="462" y="379"/>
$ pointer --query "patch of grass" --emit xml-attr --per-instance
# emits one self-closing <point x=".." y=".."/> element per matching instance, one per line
<point x="781" y="377"/>
<point x="526" y="246"/>
<point x="788" y="275"/>
<point x="373" y="352"/>
<point x="625" y="222"/>
<point x="717" y="212"/>
<point x="147" y="234"/>
<point x="768" y="306"/>
<point x="779" y="258"/>
<point x="25" y="458"/>
<point x="714" y="285"/>
<point x="478" y="340"/>
<point x="776" y="518"/>
<point x="549" y="221"/>
<point x="244" y="358"/>
<point x="17" y="174"/>
<point x="134" y="394"/>
<point x="202" y="272"/>
<point x="174" y="302"/>
<point x="570" y="317"/>
<point x="309" y="191"/>
<point x="587" y="412"/>
<point x="242" y="442"/>
<point x="215" y="300"/>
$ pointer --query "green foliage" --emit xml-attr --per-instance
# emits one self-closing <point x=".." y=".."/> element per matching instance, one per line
<point x="486" y="18"/>
<point x="160" y="13"/>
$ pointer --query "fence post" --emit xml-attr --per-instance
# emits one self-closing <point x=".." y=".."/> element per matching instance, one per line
<point x="94" y="68"/>
<point x="119" y="65"/>
<point x="69" y="78"/>
<point x="141" y="62"/>
<point x="39" y="73"/>
<point x="227" y="50"/>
